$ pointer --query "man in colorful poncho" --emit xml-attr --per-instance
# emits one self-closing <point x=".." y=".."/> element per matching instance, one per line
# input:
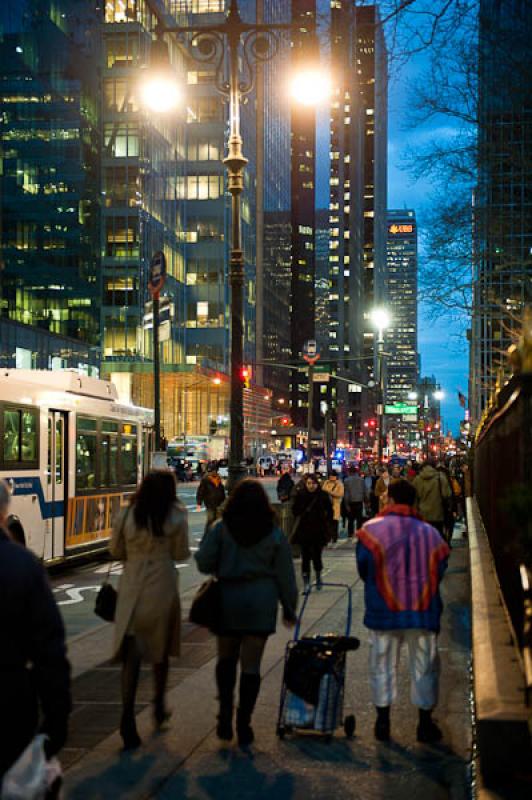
<point x="401" y="560"/>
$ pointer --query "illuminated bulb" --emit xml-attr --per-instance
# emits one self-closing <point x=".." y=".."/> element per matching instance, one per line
<point x="310" y="88"/>
<point x="160" y="93"/>
<point x="380" y="318"/>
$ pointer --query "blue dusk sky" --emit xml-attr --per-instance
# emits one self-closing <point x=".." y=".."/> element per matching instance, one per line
<point x="441" y="343"/>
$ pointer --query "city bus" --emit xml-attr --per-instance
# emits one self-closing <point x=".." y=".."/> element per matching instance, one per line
<point x="71" y="454"/>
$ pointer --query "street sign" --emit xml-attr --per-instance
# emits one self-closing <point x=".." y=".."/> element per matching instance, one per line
<point x="409" y="418"/>
<point x="321" y="377"/>
<point x="401" y="408"/>
<point x="310" y="348"/>
<point x="157" y="274"/>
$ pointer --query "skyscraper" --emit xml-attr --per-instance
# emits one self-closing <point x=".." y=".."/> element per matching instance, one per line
<point x="49" y="193"/>
<point x="372" y="73"/>
<point x="141" y="157"/>
<point x="401" y="337"/>
<point x="345" y="220"/>
<point x="303" y="186"/>
<point x="503" y="200"/>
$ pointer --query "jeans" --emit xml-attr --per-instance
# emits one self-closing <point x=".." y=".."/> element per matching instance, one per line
<point x="355" y="514"/>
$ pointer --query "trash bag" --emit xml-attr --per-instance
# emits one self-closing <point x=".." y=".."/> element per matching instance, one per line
<point x="32" y="777"/>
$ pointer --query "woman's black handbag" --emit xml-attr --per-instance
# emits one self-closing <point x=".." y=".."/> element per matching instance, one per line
<point x="105" y="605"/>
<point x="206" y="606"/>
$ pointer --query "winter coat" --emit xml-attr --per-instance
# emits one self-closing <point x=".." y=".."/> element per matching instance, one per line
<point x="148" y="604"/>
<point x="253" y="580"/>
<point x="211" y="492"/>
<point x="335" y="490"/>
<point x="315" y="512"/>
<point x="285" y="485"/>
<point x="354" y="489"/>
<point x="431" y="486"/>
<point x="401" y="560"/>
<point x="381" y="491"/>
<point x="32" y="635"/>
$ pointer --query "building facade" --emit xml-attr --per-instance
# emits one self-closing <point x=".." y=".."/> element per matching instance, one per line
<point x="401" y="336"/>
<point x="503" y="200"/>
<point x="346" y="220"/>
<point x="303" y="222"/>
<point x="372" y="73"/>
<point x="49" y="188"/>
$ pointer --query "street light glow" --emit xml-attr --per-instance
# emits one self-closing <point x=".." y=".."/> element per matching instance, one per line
<point x="412" y="395"/>
<point x="160" y="93"/>
<point x="380" y="318"/>
<point x="310" y="87"/>
<point x="439" y="395"/>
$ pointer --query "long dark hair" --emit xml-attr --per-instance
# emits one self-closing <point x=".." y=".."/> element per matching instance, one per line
<point x="153" y="499"/>
<point x="248" y="514"/>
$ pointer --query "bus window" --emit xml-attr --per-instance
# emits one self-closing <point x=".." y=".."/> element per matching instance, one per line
<point x="11" y="435"/>
<point x="85" y="460"/>
<point x="129" y="460"/>
<point x="108" y="460"/>
<point x="20" y="436"/>
<point x="29" y="436"/>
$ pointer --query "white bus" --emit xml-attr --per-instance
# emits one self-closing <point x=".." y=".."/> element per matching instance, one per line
<point x="71" y="454"/>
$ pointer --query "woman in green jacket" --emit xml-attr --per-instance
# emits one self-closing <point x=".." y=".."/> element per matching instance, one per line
<point x="252" y="559"/>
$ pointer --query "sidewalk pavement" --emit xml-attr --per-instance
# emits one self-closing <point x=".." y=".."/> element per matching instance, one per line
<point x="187" y="761"/>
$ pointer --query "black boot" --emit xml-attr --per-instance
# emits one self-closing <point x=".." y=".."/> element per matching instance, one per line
<point x="225" y="679"/>
<point x="306" y="583"/>
<point x="249" y="690"/>
<point x="382" y="724"/>
<point x="130" y="679"/>
<point x="427" y="730"/>
<point x="160" y="679"/>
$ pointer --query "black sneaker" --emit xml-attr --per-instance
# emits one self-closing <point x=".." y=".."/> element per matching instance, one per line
<point x="382" y="730"/>
<point x="428" y="732"/>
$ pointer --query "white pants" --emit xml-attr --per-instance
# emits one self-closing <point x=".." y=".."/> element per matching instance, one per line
<point x="424" y="662"/>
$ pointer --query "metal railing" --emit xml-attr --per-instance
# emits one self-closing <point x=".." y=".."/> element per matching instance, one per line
<point x="503" y="488"/>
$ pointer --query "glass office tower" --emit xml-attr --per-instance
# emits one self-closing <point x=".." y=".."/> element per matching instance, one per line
<point x="401" y="336"/>
<point x="49" y="218"/>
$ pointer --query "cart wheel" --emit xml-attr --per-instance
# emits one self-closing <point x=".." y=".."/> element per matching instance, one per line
<point x="281" y="731"/>
<point x="349" y="725"/>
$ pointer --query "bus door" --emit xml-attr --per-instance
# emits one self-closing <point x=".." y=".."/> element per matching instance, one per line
<point x="57" y="485"/>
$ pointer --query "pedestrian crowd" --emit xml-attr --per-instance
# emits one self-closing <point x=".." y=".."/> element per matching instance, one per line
<point x="401" y="519"/>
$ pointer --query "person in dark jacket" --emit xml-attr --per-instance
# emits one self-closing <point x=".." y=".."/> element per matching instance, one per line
<point x="211" y="493"/>
<point x="34" y="670"/>
<point x="15" y="529"/>
<point x="314" y="516"/>
<point x="251" y="558"/>
<point x="285" y="486"/>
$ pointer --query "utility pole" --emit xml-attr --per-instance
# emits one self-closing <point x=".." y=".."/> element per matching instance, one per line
<point x="310" y="410"/>
<point x="156" y="280"/>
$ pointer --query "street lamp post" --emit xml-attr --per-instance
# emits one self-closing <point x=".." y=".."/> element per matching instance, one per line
<point x="381" y="320"/>
<point x="251" y="43"/>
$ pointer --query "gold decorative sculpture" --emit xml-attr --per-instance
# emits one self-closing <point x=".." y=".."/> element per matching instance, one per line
<point x="520" y="354"/>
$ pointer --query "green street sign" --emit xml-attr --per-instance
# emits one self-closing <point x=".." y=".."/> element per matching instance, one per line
<point x="401" y="408"/>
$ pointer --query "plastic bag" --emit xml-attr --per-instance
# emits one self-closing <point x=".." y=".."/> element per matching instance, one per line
<point x="32" y="777"/>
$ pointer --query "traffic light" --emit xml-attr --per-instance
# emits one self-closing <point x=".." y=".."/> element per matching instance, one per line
<point x="372" y="423"/>
<point x="285" y="421"/>
<point x="245" y="376"/>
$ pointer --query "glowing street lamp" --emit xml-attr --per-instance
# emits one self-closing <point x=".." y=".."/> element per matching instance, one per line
<point x="439" y="395"/>
<point x="310" y="87"/>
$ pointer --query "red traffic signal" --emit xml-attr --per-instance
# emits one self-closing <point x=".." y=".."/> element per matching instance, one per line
<point x="245" y="376"/>
<point x="285" y="421"/>
<point x="372" y="423"/>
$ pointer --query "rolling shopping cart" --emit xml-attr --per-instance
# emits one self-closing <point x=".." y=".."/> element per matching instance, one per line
<point x="312" y="693"/>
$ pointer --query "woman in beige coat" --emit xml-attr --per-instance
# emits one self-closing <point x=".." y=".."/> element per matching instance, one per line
<point x="150" y="536"/>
